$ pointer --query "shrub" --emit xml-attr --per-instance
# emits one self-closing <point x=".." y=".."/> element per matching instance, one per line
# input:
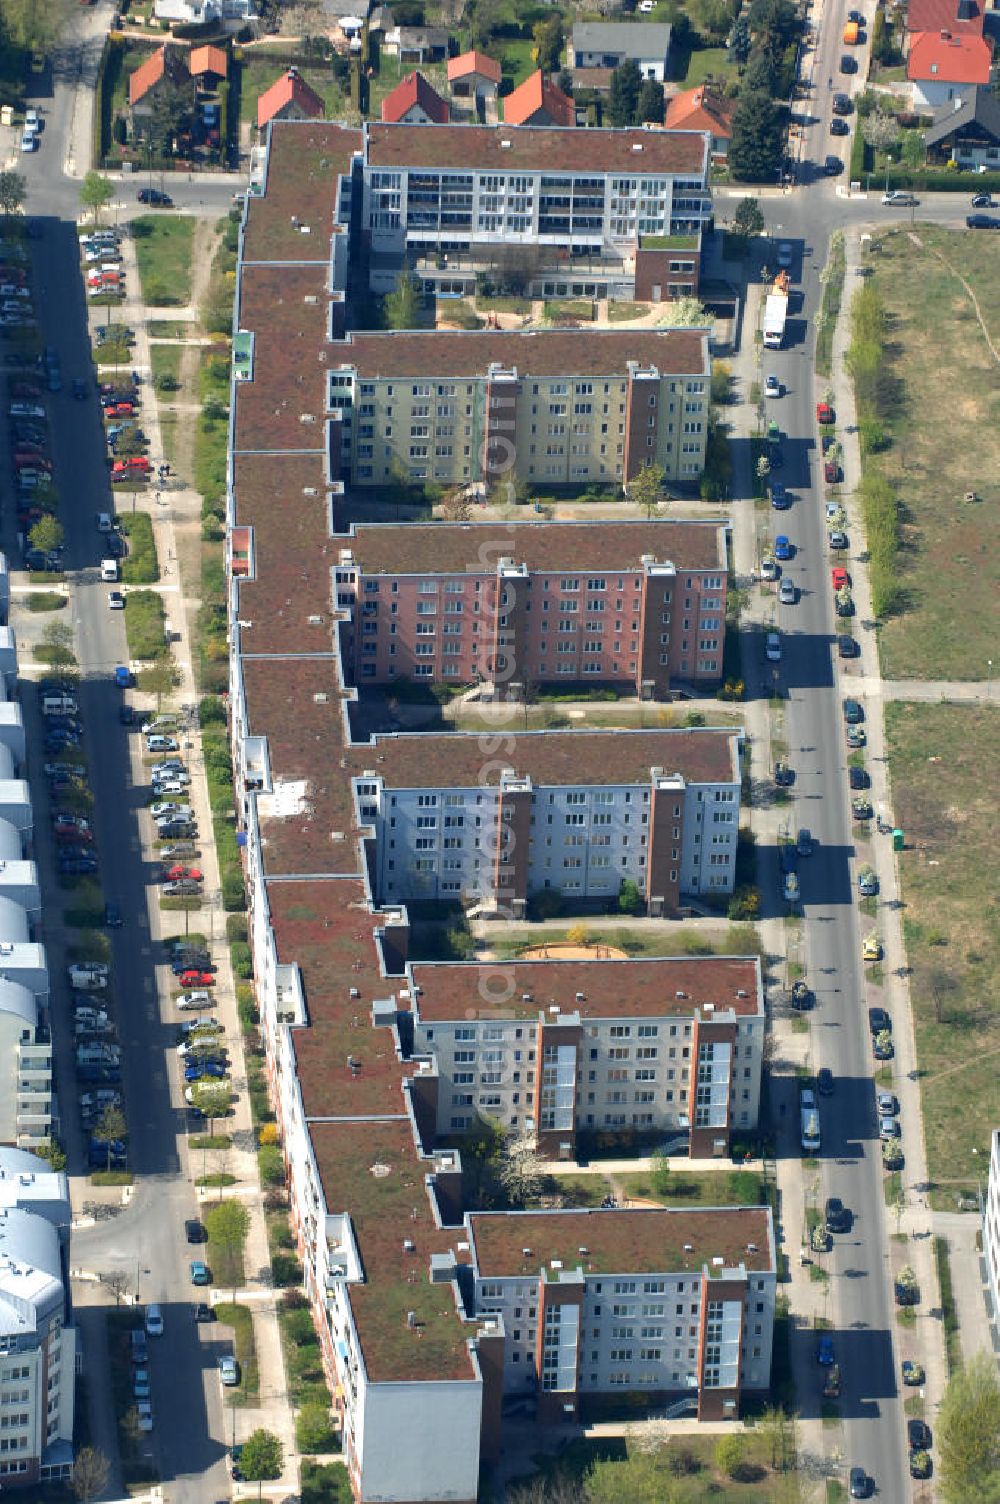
<point x="236" y="928"/>
<point x="313" y="1430"/>
<point x="271" y="1163"/>
<point x="211" y="711"/>
<point x="247" y="1009"/>
<point x="285" y="1270"/>
<point x="294" y="1300"/>
<point x="269" y="1134"/>
<point x="242" y="960"/>
<point x="141" y="567"/>
<point x="298" y="1326"/>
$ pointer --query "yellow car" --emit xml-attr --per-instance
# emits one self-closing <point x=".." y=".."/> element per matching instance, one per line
<point x="37" y="62"/>
<point x="872" y="949"/>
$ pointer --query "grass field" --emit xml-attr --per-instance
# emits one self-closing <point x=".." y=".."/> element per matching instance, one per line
<point x="723" y="1187"/>
<point x="165" y="360"/>
<point x="943" y="802"/>
<point x="941" y="450"/>
<point x="239" y="1321"/>
<point x="709" y="62"/>
<point x="731" y="940"/>
<point x="163" y="253"/>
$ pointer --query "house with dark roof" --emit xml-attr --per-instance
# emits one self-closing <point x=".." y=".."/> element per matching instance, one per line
<point x="290" y="98"/>
<point x="942" y="64"/>
<point x="966" y="131"/>
<point x="414" y="102"/>
<point x="417" y="44"/>
<point x="163" y="73"/>
<point x="538" y="102"/>
<point x="608" y="44"/>
<point x="474" y="75"/>
<point x="702" y="109"/>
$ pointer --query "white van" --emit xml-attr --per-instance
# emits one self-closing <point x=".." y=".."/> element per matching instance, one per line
<point x="109" y="570"/>
<point x="58" y="705"/>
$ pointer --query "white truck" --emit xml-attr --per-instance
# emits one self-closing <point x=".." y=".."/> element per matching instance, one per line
<point x="775" y="314"/>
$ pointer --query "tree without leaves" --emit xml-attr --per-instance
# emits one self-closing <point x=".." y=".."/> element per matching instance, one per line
<point x="95" y="192"/>
<point x="968" y="1434"/>
<point x="90" y="1474"/>
<point x="684" y="313"/>
<point x="755" y="145"/>
<point x="47" y="534"/>
<point x="117" y="1282"/>
<point x="520" y="1169"/>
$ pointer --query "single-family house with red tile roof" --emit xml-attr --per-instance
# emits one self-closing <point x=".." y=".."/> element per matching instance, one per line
<point x="290" y="98"/>
<point x="538" y="102"/>
<point x="474" y="75"/>
<point x="167" y="69"/>
<point x="414" y="102"/>
<point x="209" y="64"/>
<point x="941" y="66"/>
<point x="702" y="110"/>
<point x="960" y="17"/>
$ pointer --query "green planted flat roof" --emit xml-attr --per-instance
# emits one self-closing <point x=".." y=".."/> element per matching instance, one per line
<point x="668" y="242"/>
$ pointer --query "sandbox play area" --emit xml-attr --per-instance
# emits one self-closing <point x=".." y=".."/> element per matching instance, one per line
<point x="562" y="951"/>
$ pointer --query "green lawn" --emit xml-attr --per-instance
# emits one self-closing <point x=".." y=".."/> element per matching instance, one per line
<point x="723" y="1187"/>
<point x="144" y="624"/>
<point x="239" y="1321"/>
<point x="163" y="252"/>
<point x="709" y="62"/>
<point x="948" y="566"/>
<point x="258" y="74"/>
<point x="684" y="1467"/>
<point x="165" y="360"/>
<point x="944" y="804"/>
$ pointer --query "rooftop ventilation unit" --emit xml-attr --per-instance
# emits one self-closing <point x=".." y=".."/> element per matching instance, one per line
<point x="505" y="145"/>
<point x="315" y="621"/>
<point x="320" y="697"/>
<point x="526" y="1252"/>
<point x="581" y="997"/>
<point x="409" y="1246"/>
<point x="742" y="992"/>
<point x="689" y="1248"/>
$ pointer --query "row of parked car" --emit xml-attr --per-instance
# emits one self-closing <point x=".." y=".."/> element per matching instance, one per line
<point x="103" y="268"/>
<point x="98" y="1062"/>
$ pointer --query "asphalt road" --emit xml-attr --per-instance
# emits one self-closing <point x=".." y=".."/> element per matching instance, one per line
<point x="147" y="1240"/>
<point x="861" y="1308"/>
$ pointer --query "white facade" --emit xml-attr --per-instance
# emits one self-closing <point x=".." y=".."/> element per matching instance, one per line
<point x="411" y="206"/>
<point x="586" y="839"/>
<point x="628" y="1072"/>
<point x="25" y="1069"/>
<point x="199" y="12"/>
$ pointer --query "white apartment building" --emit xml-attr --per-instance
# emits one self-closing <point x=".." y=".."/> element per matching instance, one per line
<point x="37" y="1345"/>
<point x="557" y="1048"/>
<point x="685" y="1314"/>
<point x="575" y="813"/>
<point x="25" y="1067"/>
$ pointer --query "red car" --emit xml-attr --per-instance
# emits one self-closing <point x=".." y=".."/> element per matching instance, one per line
<point x="178" y="870"/>
<point x="65" y="833"/>
<point x="825" y="413"/>
<point x="196" y="979"/>
<point x="136" y="465"/>
<point x="119" y="410"/>
<point x="831" y="472"/>
<point x="839" y="576"/>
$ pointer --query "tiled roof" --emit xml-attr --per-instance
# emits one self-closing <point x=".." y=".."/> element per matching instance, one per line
<point x="533" y="148"/>
<point x="699" y="110"/>
<point x="290" y="86"/>
<point x="611" y="989"/>
<point x="473" y="62"/>
<point x="455" y="548"/>
<point x="536" y="96"/>
<point x="209" y="60"/>
<point x="550" y="758"/>
<point x="956" y="16"/>
<point x="948" y="60"/>
<point x="541" y="352"/>
<point x="164" y="62"/>
<point x="305" y="161"/>
<point x="414" y="90"/>
<point x="976" y="104"/>
<point x="651" y="1240"/>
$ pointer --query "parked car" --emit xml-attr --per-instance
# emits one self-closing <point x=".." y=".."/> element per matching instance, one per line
<point x="853" y="712"/>
<point x="900" y="198"/>
<point x="782" y="548"/>
<point x="839" y="127"/>
<point x="838" y="1218"/>
<point x="867" y="883"/>
<point x="825" y="413"/>
<point x="787" y="593"/>
<point x="161" y="744"/>
<point x="824" y="1350"/>
<point x="183" y="887"/>
<point x="982" y="222"/>
<point x="197" y="979"/>
<point x="229" y="1371"/>
<point x="195" y="999"/>
<point x="200" y="1273"/>
<point x="772" y="386"/>
<point x="772" y="647"/>
<point x="155" y="198"/>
